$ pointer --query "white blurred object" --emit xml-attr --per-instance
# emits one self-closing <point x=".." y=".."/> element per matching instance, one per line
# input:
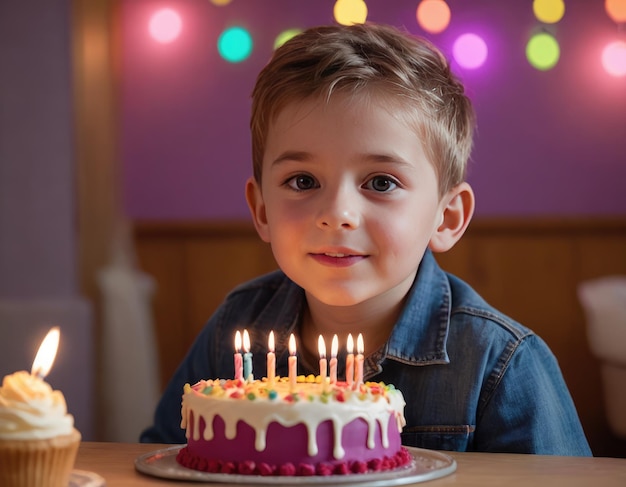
<point x="130" y="374"/>
<point x="604" y="303"/>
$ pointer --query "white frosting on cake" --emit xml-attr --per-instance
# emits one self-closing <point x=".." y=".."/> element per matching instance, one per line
<point x="30" y="409"/>
<point x="312" y="407"/>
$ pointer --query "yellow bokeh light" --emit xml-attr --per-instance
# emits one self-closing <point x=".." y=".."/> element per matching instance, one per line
<point x="433" y="15"/>
<point x="348" y="12"/>
<point x="220" y="2"/>
<point x="549" y="11"/>
<point x="616" y="9"/>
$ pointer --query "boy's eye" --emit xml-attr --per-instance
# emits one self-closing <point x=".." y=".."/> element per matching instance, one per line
<point x="381" y="184"/>
<point x="302" y="182"/>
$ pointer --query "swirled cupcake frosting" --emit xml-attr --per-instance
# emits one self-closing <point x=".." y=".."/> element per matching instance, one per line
<point x="31" y="409"/>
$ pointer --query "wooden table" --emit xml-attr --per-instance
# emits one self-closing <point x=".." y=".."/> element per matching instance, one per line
<point x="115" y="462"/>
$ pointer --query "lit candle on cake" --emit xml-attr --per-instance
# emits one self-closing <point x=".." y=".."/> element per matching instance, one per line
<point x="293" y="363"/>
<point x="271" y="359"/>
<point x="321" y="347"/>
<point x="333" y="359"/>
<point x="247" y="358"/>
<point x="350" y="360"/>
<point x="358" y="376"/>
<point x="238" y="361"/>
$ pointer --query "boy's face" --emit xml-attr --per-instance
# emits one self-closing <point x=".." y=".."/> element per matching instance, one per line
<point x="348" y="200"/>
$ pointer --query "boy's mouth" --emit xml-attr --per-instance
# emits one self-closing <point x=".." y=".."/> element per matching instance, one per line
<point x="337" y="259"/>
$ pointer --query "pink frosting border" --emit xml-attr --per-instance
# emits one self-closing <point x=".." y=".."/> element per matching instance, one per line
<point x="188" y="460"/>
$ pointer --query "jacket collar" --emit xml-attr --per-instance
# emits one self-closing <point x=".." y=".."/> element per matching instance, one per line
<point x="419" y="337"/>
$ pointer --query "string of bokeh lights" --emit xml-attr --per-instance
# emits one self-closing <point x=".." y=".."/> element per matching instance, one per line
<point x="469" y="50"/>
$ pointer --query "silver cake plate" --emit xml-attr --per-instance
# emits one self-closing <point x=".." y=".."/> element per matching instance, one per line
<point x="426" y="465"/>
<point x="83" y="478"/>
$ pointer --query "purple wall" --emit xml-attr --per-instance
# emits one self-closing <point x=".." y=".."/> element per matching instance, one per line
<point x="39" y="284"/>
<point x="548" y="143"/>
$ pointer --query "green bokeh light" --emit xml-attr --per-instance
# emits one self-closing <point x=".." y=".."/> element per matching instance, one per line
<point x="235" y="44"/>
<point x="284" y="36"/>
<point x="542" y="51"/>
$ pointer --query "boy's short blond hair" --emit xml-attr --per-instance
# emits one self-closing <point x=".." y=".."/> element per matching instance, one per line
<point x="408" y="72"/>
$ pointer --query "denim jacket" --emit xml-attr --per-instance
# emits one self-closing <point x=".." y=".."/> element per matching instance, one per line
<point x="473" y="379"/>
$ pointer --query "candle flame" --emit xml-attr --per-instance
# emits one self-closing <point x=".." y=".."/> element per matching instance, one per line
<point x="270" y="342"/>
<point x="292" y="344"/>
<point x="46" y="353"/>
<point x="246" y="341"/>
<point x="321" y="346"/>
<point x="238" y="341"/>
<point x="334" y="347"/>
<point x="350" y="344"/>
<point x="360" y="348"/>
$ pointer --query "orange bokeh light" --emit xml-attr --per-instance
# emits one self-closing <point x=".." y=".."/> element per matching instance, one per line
<point x="616" y="9"/>
<point x="433" y="15"/>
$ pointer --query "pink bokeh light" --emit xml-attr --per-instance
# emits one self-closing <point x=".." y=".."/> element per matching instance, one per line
<point x="165" y="26"/>
<point x="470" y="51"/>
<point x="614" y="58"/>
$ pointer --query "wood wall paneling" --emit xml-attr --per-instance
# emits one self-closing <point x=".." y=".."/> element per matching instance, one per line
<point x="529" y="269"/>
<point x="163" y="259"/>
<point x="216" y="265"/>
<point x="94" y="36"/>
<point x="195" y="265"/>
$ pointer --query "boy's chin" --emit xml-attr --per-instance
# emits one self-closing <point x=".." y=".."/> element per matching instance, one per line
<point x="337" y="298"/>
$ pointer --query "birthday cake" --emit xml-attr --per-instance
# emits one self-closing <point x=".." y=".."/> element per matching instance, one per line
<point x="261" y="427"/>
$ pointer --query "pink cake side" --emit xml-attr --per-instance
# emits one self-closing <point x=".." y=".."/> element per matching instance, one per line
<point x="358" y="433"/>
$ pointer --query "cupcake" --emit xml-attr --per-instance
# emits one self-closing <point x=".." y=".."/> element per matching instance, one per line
<point x="38" y="441"/>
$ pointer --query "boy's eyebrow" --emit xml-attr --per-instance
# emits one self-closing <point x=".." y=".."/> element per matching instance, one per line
<point x="392" y="158"/>
<point x="291" y="156"/>
<point x="302" y="156"/>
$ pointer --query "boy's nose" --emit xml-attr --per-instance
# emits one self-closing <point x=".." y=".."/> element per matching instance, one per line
<point x="338" y="210"/>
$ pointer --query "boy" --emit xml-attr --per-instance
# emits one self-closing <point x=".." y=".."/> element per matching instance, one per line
<point x="360" y="139"/>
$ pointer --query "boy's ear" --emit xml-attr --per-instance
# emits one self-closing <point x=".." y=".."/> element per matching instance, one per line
<point x="254" y="197"/>
<point x="457" y="211"/>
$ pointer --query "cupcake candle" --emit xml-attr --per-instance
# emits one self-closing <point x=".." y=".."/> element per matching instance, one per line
<point x="38" y="441"/>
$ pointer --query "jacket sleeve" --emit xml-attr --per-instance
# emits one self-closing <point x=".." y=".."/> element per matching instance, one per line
<point x="527" y="408"/>
<point x="199" y="363"/>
